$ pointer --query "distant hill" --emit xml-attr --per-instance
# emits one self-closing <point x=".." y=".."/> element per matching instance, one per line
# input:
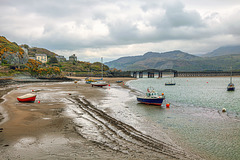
<point x="176" y="60"/>
<point x="166" y="60"/>
<point x="226" y="50"/>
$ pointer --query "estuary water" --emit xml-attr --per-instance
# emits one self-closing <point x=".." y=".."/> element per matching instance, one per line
<point x="195" y="119"/>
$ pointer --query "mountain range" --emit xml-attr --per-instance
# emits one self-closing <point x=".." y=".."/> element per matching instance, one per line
<point x="220" y="59"/>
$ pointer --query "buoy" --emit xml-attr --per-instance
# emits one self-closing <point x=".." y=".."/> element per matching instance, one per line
<point x="163" y="94"/>
<point x="207" y="82"/>
<point x="224" y="110"/>
<point x="167" y="105"/>
<point x="38" y="101"/>
<point x="32" y="90"/>
<point x="109" y="85"/>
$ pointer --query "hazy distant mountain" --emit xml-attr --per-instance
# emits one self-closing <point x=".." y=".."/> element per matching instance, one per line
<point x="227" y="50"/>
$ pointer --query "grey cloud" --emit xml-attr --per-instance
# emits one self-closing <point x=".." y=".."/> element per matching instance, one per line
<point x="123" y="31"/>
<point x="60" y="24"/>
<point x="233" y="24"/>
<point x="176" y="16"/>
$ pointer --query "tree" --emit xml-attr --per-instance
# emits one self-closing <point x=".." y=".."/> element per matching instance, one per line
<point x="53" y="59"/>
<point x="25" y="46"/>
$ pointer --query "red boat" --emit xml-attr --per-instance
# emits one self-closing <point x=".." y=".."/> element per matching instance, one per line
<point x="27" y="98"/>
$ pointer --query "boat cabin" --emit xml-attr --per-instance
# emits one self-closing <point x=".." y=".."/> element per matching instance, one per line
<point x="152" y="94"/>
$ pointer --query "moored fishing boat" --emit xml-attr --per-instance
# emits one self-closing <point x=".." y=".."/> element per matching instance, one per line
<point x="27" y="98"/>
<point x="151" y="97"/>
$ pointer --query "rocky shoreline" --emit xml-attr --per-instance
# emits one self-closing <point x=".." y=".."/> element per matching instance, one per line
<point x="18" y="80"/>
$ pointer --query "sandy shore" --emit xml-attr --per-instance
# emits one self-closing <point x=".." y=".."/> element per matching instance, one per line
<point x="67" y="122"/>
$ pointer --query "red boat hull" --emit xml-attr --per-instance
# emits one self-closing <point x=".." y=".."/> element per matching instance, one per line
<point x="30" y="99"/>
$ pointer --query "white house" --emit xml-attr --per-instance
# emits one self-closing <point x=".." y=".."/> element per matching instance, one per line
<point x="41" y="57"/>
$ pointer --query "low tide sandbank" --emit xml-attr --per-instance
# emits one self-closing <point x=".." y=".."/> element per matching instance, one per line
<point x="76" y="121"/>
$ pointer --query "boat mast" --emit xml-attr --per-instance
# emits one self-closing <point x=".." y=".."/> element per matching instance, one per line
<point x="102" y="66"/>
<point x="231" y="76"/>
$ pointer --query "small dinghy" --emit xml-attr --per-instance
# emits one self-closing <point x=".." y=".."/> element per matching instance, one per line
<point x="119" y="81"/>
<point x="27" y="98"/>
<point x="99" y="84"/>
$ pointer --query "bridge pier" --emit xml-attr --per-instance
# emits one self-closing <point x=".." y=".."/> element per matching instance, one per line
<point x="134" y="75"/>
<point x="150" y="75"/>
<point x="159" y="74"/>
<point x="175" y="74"/>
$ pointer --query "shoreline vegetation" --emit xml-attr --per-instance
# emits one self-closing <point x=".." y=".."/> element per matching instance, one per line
<point x="46" y="129"/>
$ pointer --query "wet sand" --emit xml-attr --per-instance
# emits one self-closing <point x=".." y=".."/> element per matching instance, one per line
<point x="67" y="122"/>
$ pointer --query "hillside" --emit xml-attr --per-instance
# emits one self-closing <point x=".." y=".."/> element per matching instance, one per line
<point x="7" y="46"/>
<point x="35" y="50"/>
<point x="176" y="60"/>
<point x="11" y="53"/>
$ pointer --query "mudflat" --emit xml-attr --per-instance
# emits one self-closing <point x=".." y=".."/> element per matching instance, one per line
<point x="66" y="122"/>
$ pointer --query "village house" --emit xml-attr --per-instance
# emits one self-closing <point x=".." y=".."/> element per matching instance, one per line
<point x="73" y="58"/>
<point x="41" y="57"/>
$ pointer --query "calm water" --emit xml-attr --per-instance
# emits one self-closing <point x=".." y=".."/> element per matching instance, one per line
<point x="195" y="119"/>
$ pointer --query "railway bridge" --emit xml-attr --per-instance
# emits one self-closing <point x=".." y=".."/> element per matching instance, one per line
<point x="155" y="73"/>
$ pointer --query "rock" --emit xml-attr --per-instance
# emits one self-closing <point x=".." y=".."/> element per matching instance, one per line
<point x="15" y="58"/>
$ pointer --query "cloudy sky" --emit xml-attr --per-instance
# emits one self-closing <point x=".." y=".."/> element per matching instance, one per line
<point x="92" y="29"/>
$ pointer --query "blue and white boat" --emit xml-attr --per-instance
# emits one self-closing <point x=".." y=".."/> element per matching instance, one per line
<point x="151" y="97"/>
